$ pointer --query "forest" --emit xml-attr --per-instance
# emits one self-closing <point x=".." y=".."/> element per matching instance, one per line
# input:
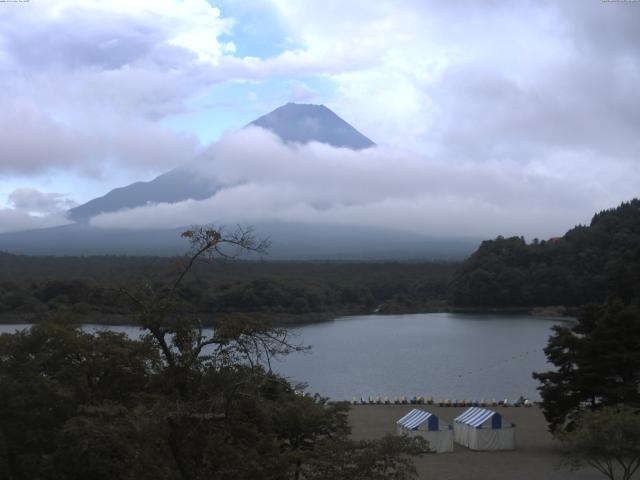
<point x="587" y="265"/>
<point x="88" y="289"/>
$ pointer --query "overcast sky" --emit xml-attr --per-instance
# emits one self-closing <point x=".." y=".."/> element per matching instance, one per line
<point x="511" y="117"/>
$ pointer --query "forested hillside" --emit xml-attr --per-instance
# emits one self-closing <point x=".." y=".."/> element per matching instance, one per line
<point x="87" y="288"/>
<point x="586" y="265"/>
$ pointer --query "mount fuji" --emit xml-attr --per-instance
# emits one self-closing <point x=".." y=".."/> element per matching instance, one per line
<point x="293" y="124"/>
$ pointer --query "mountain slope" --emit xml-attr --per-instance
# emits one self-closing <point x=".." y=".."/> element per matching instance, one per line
<point x="300" y="123"/>
<point x="174" y="186"/>
<point x="289" y="241"/>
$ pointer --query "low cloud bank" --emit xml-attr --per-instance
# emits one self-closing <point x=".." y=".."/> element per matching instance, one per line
<point x="264" y="180"/>
<point x="31" y="209"/>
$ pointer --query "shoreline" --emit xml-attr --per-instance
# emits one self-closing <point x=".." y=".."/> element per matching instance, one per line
<point x="290" y="319"/>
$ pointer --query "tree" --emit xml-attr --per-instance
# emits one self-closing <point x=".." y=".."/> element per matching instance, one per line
<point x="607" y="440"/>
<point x="597" y="363"/>
<point x="179" y="403"/>
<point x="48" y="372"/>
<point x="588" y="264"/>
<point x="386" y="459"/>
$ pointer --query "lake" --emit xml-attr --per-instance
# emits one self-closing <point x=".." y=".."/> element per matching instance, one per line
<point x="454" y="356"/>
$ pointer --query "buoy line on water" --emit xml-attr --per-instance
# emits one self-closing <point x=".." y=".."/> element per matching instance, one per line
<point x="498" y="364"/>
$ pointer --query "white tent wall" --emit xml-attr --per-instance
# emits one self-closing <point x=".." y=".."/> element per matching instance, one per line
<point x="480" y="429"/>
<point x="439" y="442"/>
<point x="485" y="438"/>
<point x="418" y="423"/>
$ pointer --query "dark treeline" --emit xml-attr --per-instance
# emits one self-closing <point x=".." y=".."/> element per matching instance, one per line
<point x="33" y="288"/>
<point x="596" y="359"/>
<point x="587" y="265"/>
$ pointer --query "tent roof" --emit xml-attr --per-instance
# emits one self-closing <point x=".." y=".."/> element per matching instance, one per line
<point x="414" y="419"/>
<point x="475" y="416"/>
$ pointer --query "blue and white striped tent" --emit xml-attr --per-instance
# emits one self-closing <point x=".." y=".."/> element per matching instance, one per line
<point x="476" y="416"/>
<point x="481" y="429"/>
<point x="428" y="426"/>
<point x="415" y="418"/>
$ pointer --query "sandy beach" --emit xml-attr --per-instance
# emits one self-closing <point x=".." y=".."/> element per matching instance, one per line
<point x="536" y="456"/>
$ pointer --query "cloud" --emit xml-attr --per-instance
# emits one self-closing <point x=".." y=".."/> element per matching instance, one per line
<point x="35" y="201"/>
<point x="84" y="84"/>
<point x="33" y="141"/>
<point x="32" y="209"/>
<point x="494" y="117"/>
<point x="13" y="220"/>
<point x="266" y="180"/>
<point x="301" y="92"/>
<point x="481" y="80"/>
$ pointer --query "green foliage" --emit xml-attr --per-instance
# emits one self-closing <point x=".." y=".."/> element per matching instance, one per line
<point x="46" y="373"/>
<point x="597" y="363"/>
<point x="176" y="404"/>
<point x="607" y="439"/>
<point x="34" y="288"/>
<point x="587" y="265"/>
<point x="78" y="405"/>
<point x="388" y="458"/>
<point x="107" y="442"/>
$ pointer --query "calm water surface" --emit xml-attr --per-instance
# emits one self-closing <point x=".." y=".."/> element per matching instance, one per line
<point x="445" y="355"/>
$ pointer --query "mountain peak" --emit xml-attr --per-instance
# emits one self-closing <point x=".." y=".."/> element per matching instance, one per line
<point x="305" y="122"/>
<point x="293" y="122"/>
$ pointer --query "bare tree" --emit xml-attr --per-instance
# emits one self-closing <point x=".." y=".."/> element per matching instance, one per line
<point x="161" y="311"/>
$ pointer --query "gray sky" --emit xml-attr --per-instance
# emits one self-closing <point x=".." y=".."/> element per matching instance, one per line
<point x="517" y="117"/>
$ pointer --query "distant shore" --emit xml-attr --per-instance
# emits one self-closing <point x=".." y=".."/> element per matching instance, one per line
<point x="287" y="319"/>
<point x="277" y="319"/>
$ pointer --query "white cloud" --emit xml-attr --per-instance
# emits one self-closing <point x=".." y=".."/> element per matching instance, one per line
<point x="266" y="180"/>
<point x="13" y="220"/>
<point x="33" y="209"/>
<point x="480" y="80"/>
<point x="36" y="202"/>
<point x="521" y="117"/>
<point x="83" y="84"/>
